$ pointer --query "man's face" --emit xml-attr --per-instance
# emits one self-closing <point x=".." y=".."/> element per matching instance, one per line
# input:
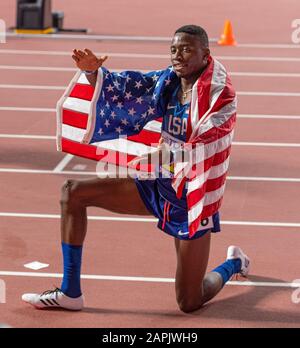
<point x="188" y="56"/>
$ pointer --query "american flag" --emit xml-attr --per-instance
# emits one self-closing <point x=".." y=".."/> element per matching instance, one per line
<point x="120" y="119"/>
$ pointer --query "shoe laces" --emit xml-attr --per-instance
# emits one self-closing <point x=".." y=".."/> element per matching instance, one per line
<point x="50" y="292"/>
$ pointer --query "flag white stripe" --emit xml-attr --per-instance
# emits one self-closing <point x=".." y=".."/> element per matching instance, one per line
<point x="78" y="105"/>
<point x="214" y="196"/>
<point x="215" y="92"/>
<point x="83" y="80"/>
<point x="195" y="211"/>
<point x="153" y="126"/>
<point x="217" y="119"/>
<point x="194" y="109"/>
<point x="201" y="153"/>
<point x="218" y="82"/>
<point x="219" y="170"/>
<point x="209" y="198"/>
<point x="73" y="133"/>
<point x="124" y="145"/>
<point x="204" y="152"/>
<point x="213" y="173"/>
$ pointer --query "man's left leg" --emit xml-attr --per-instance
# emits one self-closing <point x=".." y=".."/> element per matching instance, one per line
<point x="193" y="286"/>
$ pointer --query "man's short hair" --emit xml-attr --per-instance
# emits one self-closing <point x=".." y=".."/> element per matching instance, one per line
<point x="195" y="30"/>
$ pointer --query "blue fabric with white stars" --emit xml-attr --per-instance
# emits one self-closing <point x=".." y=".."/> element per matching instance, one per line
<point x="130" y="99"/>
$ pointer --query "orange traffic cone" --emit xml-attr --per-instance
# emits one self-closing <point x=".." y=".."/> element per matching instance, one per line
<point x="227" y="38"/>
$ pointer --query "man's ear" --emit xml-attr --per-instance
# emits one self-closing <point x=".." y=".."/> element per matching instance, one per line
<point x="206" y="55"/>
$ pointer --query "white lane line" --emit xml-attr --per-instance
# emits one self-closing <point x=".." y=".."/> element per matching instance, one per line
<point x="62" y="69"/>
<point x="26" y="109"/>
<point x="142" y="279"/>
<point x="36" y="68"/>
<point x="168" y="39"/>
<point x="259" y="45"/>
<point x="58" y="88"/>
<point x="63" y="163"/>
<point x="235" y="143"/>
<point x="267" y="94"/>
<point x="256" y="116"/>
<point x="97" y="218"/>
<point x="261" y="178"/>
<point x="40" y="171"/>
<point x="272" y="117"/>
<point x="69" y="54"/>
<point x="86" y="173"/>
<point x="259" y="59"/>
<point x="241" y="93"/>
<point x="138" y="219"/>
<point x="262" y="74"/>
<point x="25" y="136"/>
<point x="247" y="143"/>
<point x="148" y="55"/>
<point x="89" y="37"/>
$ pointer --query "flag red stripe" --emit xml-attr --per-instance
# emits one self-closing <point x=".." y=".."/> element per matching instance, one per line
<point x="81" y="91"/>
<point x="74" y="119"/>
<point x="211" y="185"/>
<point x="216" y="132"/>
<point x="207" y="211"/>
<point x="215" y="160"/>
<point x="99" y="154"/>
<point x="146" y="137"/>
<point x="94" y="152"/>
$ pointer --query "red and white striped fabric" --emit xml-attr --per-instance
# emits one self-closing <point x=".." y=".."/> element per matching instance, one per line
<point x="76" y="114"/>
<point x="210" y="124"/>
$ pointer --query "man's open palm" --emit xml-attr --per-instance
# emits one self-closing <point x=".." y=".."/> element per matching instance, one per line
<point x="86" y="60"/>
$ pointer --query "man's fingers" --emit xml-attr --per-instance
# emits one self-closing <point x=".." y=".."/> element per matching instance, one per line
<point x="81" y="53"/>
<point x="75" y="58"/>
<point x="88" y="52"/>
<point x="76" y="54"/>
<point x="103" y="58"/>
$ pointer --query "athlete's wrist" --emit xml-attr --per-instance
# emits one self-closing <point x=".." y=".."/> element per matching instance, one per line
<point x="89" y="72"/>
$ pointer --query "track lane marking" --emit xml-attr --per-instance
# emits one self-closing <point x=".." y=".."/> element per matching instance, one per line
<point x="148" y="55"/>
<point x="235" y="143"/>
<point x="66" y="69"/>
<point x="139" y="219"/>
<point x="89" y="173"/>
<point x="63" y="163"/>
<point x="143" y="279"/>
<point x="240" y="116"/>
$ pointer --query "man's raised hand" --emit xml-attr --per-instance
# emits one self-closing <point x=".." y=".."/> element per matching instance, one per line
<point x="86" y="60"/>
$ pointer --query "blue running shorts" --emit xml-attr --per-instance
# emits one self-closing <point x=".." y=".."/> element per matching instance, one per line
<point x="172" y="218"/>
